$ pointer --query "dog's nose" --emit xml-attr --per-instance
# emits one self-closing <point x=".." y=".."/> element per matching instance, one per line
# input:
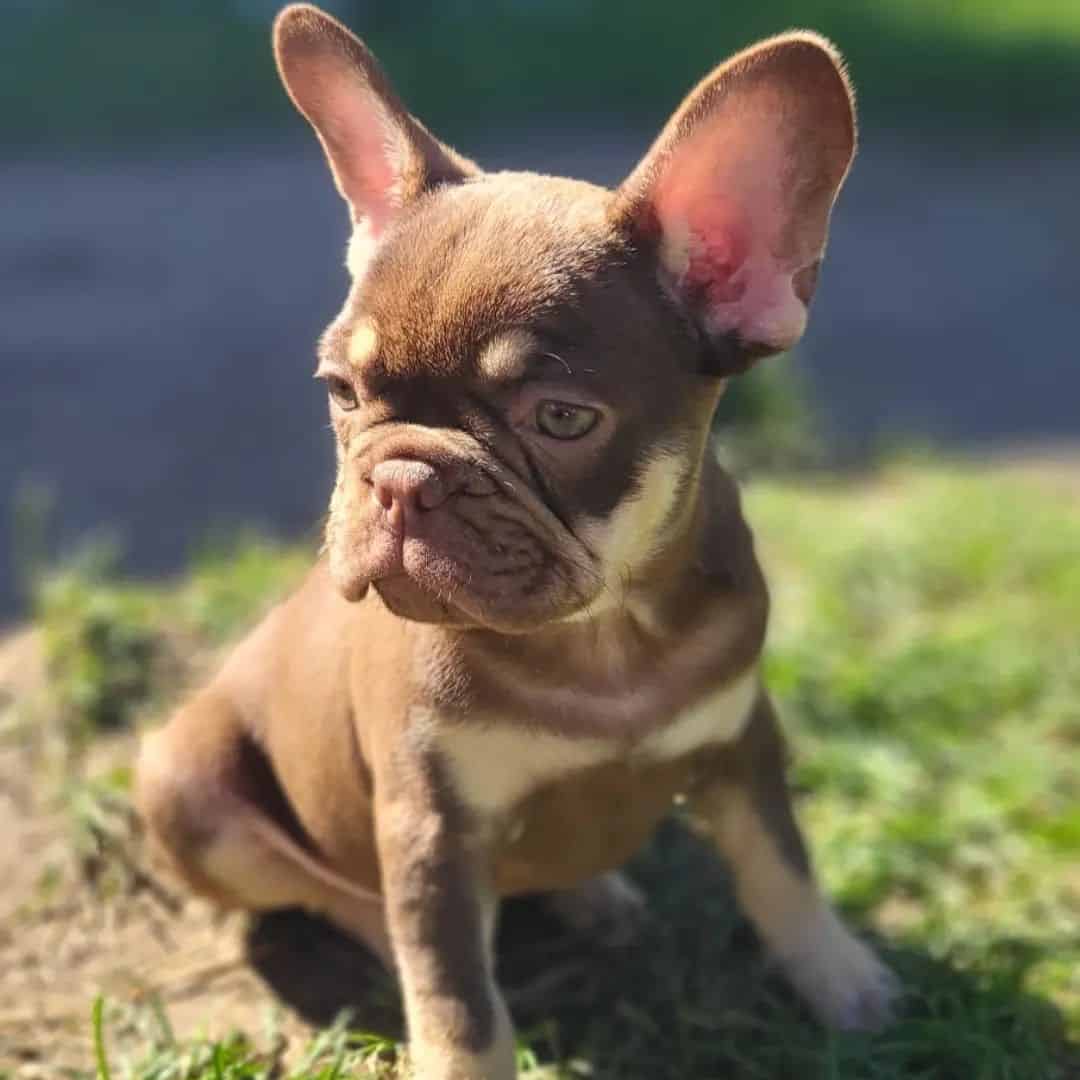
<point x="404" y="487"/>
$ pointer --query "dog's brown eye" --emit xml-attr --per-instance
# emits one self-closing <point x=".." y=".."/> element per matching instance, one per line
<point x="563" y="421"/>
<point x="341" y="392"/>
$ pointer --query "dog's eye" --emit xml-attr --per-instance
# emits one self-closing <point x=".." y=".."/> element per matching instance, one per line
<point x="563" y="421"/>
<point x="341" y="392"/>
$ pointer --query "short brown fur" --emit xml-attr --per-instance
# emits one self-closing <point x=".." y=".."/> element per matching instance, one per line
<point x="586" y="597"/>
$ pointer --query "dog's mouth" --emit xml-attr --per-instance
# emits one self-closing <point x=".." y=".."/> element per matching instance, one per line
<point x="451" y="568"/>
<point x="476" y="562"/>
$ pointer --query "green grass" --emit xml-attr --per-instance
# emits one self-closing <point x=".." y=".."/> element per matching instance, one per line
<point x="334" y="1054"/>
<point x="106" y="72"/>
<point x="924" y="655"/>
<point x="114" y="646"/>
<point x="925" y="652"/>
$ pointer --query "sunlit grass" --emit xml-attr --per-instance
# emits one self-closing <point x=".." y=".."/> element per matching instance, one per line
<point x="1005" y="19"/>
<point x="925" y="650"/>
<point x="925" y="659"/>
<point x="111" y="644"/>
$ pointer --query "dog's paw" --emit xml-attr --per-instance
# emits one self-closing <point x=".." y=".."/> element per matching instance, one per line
<point x="610" y="909"/>
<point x="841" y="979"/>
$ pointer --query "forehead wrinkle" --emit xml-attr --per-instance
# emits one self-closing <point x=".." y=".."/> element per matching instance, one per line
<point x="471" y="258"/>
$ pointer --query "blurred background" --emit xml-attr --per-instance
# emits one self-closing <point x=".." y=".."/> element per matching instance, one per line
<point x="170" y="243"/>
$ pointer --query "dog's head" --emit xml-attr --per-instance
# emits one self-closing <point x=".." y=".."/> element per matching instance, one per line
<point x="524" y="374"/>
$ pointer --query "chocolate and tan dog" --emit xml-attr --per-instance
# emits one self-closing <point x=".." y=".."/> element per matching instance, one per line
<point x="539" y="617"/>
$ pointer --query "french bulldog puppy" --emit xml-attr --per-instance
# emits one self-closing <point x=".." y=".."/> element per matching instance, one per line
<point x="539" y="616"/>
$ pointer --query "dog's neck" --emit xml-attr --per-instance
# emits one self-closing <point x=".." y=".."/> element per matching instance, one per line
<point x="689" y="618"/>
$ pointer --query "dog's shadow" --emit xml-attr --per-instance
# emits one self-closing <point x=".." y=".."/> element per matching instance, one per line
<point x="320" y="972"/>
<point x="692" y="997"/>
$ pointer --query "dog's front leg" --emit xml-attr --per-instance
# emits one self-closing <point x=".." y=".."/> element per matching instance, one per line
<point x="743" y="805"/>
<point x="441" y="915"/>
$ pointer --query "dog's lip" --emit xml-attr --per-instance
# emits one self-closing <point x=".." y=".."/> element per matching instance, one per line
<point x="439" y="573"/>
<point x="390" y="578"/>
<point x="512" y="602"/>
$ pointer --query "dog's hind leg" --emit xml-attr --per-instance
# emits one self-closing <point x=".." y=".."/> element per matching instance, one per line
<point x="196" y="795"/>
<point x="745" y="808"/>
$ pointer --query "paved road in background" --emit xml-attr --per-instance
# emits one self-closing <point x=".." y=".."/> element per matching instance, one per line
<point x="157" y="319"/>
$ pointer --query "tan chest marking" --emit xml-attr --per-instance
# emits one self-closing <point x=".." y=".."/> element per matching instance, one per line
<point x="495" y="767"/>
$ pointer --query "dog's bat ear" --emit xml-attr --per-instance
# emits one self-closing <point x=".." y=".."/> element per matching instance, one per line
<point x="381" y="156"/>
<point x="735" y="195"/>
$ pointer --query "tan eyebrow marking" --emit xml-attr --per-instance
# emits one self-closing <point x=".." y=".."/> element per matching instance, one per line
<point x="506" y="355"/>
<point x="362" y="343"/>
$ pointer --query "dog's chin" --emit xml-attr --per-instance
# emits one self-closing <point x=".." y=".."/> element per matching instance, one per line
<point x="408" y="600"/>
<point x="457" y="576"/>
<point x="474" y="608"/>
<point x="456" y="597"/>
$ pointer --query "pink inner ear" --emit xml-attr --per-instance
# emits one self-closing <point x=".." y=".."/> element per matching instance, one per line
<point x="375" y="194"/>
<point x="722" y="210"/>
<point x="717" y="250"/>
<point x="360" y="144"/>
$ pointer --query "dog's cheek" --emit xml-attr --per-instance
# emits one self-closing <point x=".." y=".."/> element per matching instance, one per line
<point x="637" y="529"/>
<point x="341" y="547"/>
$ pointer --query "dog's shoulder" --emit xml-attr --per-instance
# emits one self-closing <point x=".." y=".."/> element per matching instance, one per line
<point x="299" y="647"/>
<point x="726" y="552"/>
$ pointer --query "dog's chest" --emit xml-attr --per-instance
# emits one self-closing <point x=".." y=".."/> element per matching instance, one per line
<point x="494" y="767"/>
